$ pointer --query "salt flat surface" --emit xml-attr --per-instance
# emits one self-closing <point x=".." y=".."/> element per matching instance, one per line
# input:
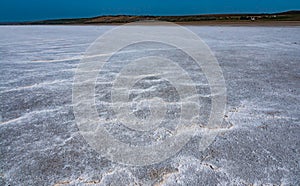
<point x="41" y="145"/>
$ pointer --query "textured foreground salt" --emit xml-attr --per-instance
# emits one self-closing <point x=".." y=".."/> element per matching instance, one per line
<point x="41" y="145"/>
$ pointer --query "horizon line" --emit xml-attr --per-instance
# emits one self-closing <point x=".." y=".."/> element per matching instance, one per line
<point x="145" y="15"/>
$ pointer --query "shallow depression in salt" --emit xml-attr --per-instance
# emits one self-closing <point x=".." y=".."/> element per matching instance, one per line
<point x="41" y="144"/>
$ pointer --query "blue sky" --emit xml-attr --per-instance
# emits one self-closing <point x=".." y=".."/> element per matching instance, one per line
<point x="25" y="10"/>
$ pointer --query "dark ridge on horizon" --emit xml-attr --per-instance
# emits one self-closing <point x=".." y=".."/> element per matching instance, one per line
<point x="293" y="15"/>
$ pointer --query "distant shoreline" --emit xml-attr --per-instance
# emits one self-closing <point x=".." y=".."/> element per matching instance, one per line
<point x="207" y="23"/>
<point x="290" y="18"/>
<point x="190" y="23"/>
<point x="242" y="23"/>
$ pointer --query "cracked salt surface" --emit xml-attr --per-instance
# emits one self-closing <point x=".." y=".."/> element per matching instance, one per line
<point x="258" y="144"/>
